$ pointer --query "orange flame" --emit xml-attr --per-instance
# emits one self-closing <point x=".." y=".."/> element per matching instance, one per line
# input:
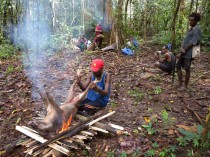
<point x="66" y="124"/>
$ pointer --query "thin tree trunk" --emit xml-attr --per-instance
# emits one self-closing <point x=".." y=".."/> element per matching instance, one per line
<point x="11" y="31"/>
<point x="191" y="6"/>
<point x="83" y="15"/>
<point x="145" y="20"/>
<point x="109" y="10"/>
<point x="126" y="10"/>
<point x="117" y="26"/>
<point x="180" y="22"/>
<point x="196" y="9"/>
<point x="174" y="23"/>
<point x="5" y="19"/>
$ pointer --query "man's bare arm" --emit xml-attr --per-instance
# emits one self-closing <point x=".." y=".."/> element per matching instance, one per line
<point x="85" y="85"/>
<point x="107" y="86"/>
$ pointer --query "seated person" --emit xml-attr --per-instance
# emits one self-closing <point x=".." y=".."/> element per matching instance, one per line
<point x="82" y="43"/>
<point x="98" y="36"/>
<point x="98" y="96"/>
<point x="167" y="64"/>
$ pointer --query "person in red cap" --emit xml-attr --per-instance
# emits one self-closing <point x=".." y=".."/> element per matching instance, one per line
<point x="99" y="94"/>
<point x="98" y="36"/>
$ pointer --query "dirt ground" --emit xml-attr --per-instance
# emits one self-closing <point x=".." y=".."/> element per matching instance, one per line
<point x="140" y="95"/>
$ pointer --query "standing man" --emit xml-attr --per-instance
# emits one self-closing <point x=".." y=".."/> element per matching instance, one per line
<point x="167" y="64"/>
<point x="99" y="94"/>
<point x="191" y="39"/>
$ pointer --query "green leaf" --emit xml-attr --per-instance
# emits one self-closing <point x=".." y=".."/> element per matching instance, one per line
<point x="200" y="128"/>
<point x="188" y="135"/>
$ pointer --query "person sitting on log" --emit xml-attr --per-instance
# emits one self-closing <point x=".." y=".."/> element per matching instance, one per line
<point x="98" y="96"/>
<point x="82" y="43"/>
<point x="98" y="36"/>
<point x="167" y="64"/>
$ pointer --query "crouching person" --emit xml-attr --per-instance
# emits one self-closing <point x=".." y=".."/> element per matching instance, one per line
<point x="99" y="94"/>
<point x="167" y="64"/>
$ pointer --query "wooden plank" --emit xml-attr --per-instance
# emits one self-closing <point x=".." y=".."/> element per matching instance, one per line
<point x="98" y="129"/>
<point x="45" y="151"/>
<point x="99" y="125"/>
<point x="42" y="140"/>
<point x="116" y="126"/>
<point x="81" y="137"/>
<point x="49" y="154"/>
<point x="87" y="133"/>
<point x="100" y="118"/>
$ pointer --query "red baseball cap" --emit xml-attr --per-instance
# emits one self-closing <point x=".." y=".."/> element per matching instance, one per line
<point x="97" y="64"/>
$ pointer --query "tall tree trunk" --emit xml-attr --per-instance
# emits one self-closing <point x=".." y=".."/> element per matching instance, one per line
<point x="174" y="23"/>
<point x="181" y="16"/>
<point x="126" y="10"/>
<point x="117" y="26"/>
<point x="83" y="15"/>
<point x="109" y="11"/>
<point x="11" y="25"/>
<point x="191" y="6"/>
<point x="5" y="34"/>
<point x="145" y="20"/>
<point x="196" y="9"/>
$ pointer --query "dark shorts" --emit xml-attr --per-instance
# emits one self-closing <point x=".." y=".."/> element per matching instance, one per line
<point x="184" y="63"/>
<point x="90" y="107"/>
<point x="165" y="68"/>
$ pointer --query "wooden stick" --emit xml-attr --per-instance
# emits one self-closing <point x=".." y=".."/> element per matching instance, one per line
<point x="87" y="133"/>
<point x="201" y="98"/>
<point x="116" y="126"/>
<point x="42" y="140"/>
<point x="71" y="131"/>
<point x="49" y="153"/>
<point x="46" y="150"/>
<point x="99" y="124"/>
<point x="80" y="137"/>
<point x="100" y="118"/>
<point x="98" y="129"/>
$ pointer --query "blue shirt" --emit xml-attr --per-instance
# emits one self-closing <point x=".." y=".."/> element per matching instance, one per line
<point x="95" y="96"/>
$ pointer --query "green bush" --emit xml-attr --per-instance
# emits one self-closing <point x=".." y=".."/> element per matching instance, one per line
<point x="6" y="50"/>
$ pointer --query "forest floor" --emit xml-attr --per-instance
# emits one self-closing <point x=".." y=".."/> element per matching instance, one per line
<point x="141" y="95"/>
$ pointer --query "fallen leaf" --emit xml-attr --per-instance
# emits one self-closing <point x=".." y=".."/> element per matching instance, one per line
<point x="18" y="121"/>
<point x="188" y="128"/>
<point x="171" y="132"/>
<point x="147" y="119"/>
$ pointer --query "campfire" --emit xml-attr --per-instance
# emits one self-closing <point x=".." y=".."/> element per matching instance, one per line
<point x="72" y="138"/>
<point x="55" y="131"/>
<point x="66" y="124"/>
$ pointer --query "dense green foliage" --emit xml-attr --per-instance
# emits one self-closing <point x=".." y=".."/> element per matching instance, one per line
<point x="69" y="19"/>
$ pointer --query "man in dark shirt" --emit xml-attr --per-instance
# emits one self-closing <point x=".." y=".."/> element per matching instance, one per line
<point x="167" y="64"/>
<point x="191" y="39"/>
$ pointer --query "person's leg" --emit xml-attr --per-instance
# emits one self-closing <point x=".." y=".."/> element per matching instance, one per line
<point x="187" y="78"/>
<point x="82" y="104"/>
<point x="163" y="67"/>
<point x="179" y="70"/>
<point x="179" y="73"/>
<point x="92" y="107"/>
<point x="100" y="42"/>
<point x="187" y="64"/>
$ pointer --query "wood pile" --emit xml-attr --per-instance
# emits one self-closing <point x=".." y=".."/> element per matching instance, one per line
<point x="83" y="130"/>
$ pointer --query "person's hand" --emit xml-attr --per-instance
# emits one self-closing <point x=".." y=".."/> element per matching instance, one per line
<point x="182" y="50"/>
<point x="93" y="85"/>
<point x="78" y="76"/>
